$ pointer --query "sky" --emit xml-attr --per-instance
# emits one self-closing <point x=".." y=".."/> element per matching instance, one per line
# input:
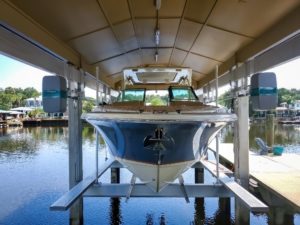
<point x="17" y="74"/>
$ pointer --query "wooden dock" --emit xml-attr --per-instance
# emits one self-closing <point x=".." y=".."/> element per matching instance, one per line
<point x="45" y="122"/>
<point x="279" y="174"/>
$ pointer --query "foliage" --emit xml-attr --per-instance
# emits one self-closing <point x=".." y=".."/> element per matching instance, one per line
<point x="284" y="95"/>
<point x="14" y="97"/>
<point x="288" y="96"/>
<point x="31" y="92"/>
<point x="226" y="99"/>
<point x="88" y="104"/>
<point x="156" y="101"/>
<point x="36" y="112"/>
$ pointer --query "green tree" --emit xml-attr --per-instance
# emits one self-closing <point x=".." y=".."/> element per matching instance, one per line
<point x="36" y="112"/>
<point x="31" y="92"/>
<point x="5" y="101"/>
<point x="156" y="101"/>
<point x="14" y="97"/>
<point x="226" y="99"/>
<point x="88" y="105"/>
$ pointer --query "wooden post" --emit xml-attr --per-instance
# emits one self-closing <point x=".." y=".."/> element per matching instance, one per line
<point x="270" y="129"/>
<point x="199" y="175"/>
<point x="115" y="175"/>
<point x="75" y="152"/>
<point x="241" y="156"/>
<point x="242" y="213"/>
<point x="280" y="216"/>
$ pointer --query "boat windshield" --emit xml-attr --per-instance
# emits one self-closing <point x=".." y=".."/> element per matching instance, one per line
<point x="132" y="95"/>
<point x="157" y="98"/>
<point x="182" y="94"/>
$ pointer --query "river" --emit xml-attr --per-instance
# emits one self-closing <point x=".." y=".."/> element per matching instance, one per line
<point x="34" y="174"/>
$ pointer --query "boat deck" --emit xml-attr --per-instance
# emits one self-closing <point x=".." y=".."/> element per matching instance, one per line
<point x="280" y="174"/>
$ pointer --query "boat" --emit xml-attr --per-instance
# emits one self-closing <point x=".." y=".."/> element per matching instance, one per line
<point x="158" y="128"/>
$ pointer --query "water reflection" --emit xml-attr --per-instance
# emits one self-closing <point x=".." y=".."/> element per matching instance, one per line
<point x="222" y="216"/>
<point x="115" y="211"/>
<point x="199" y="217"/>
<point x="42" y="177"/>
<point x="286" y="135"/>
<point x="151" y="221"/>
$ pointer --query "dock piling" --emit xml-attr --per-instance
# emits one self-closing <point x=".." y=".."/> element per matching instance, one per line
<point x="115" y="175"/>
<point x="270" y="129"/>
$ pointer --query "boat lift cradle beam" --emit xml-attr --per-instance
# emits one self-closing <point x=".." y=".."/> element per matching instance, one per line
<point x="66" y="201"/>
<point x="172" y="190"/>
<point x="249" y="200"/>
<point x="226" y="188"/>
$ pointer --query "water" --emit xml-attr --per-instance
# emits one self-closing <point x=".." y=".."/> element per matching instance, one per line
<point x="34" y="174"/>
<point x="285" y="135"/>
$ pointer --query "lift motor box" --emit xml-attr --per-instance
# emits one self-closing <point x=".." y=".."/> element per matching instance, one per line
<point x="54" y="94"/>
<point x="263" y="91"/>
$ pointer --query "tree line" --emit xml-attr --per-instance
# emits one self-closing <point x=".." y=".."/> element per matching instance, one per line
<point x="284" y="95"/>
<point x="15" y="97"/>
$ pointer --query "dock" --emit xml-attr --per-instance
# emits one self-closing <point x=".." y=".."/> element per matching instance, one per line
<point x="279" y="174"/>
<point x="45" y="122"/>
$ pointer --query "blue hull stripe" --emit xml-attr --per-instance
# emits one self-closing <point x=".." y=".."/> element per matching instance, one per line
<point x="137" y="142"/>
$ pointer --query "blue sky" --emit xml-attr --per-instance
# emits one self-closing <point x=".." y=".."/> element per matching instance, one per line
<point x="17" y="74"/>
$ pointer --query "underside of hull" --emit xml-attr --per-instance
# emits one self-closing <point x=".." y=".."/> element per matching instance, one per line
<point x="156" y="176"/>
<point x="157" y="152"/>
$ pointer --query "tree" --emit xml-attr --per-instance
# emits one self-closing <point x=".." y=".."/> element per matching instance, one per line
<point x="14" y="97"/>
<point x="36" y="112"/>
<point x="5" y="101"/>
<point x="226" y="99"/>
<point x="31" y="92"/>
<point x="88" y="105"/>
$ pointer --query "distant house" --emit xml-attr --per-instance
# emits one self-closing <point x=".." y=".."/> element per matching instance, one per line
<point x="3" y="114"/>
<point x="24" y="110"/>
<point x="296" y="105"/>
<point x="34" y="102"/>
<point x="295" y="108"/>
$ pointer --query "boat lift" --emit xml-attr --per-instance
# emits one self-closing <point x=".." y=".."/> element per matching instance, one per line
<point x="227" y="184"/>
<point x="224" y="187"/>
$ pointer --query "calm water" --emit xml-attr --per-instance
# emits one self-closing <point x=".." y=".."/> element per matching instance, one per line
<point x="34" y="173"/>
<point x="285" y="135"/>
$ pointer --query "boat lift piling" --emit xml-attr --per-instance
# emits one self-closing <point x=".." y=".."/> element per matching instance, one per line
<point x="75" y="145"/>
<point x="97" y="133"/>
<point x="270" y="125"/>
<point x="241" y="156"/>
